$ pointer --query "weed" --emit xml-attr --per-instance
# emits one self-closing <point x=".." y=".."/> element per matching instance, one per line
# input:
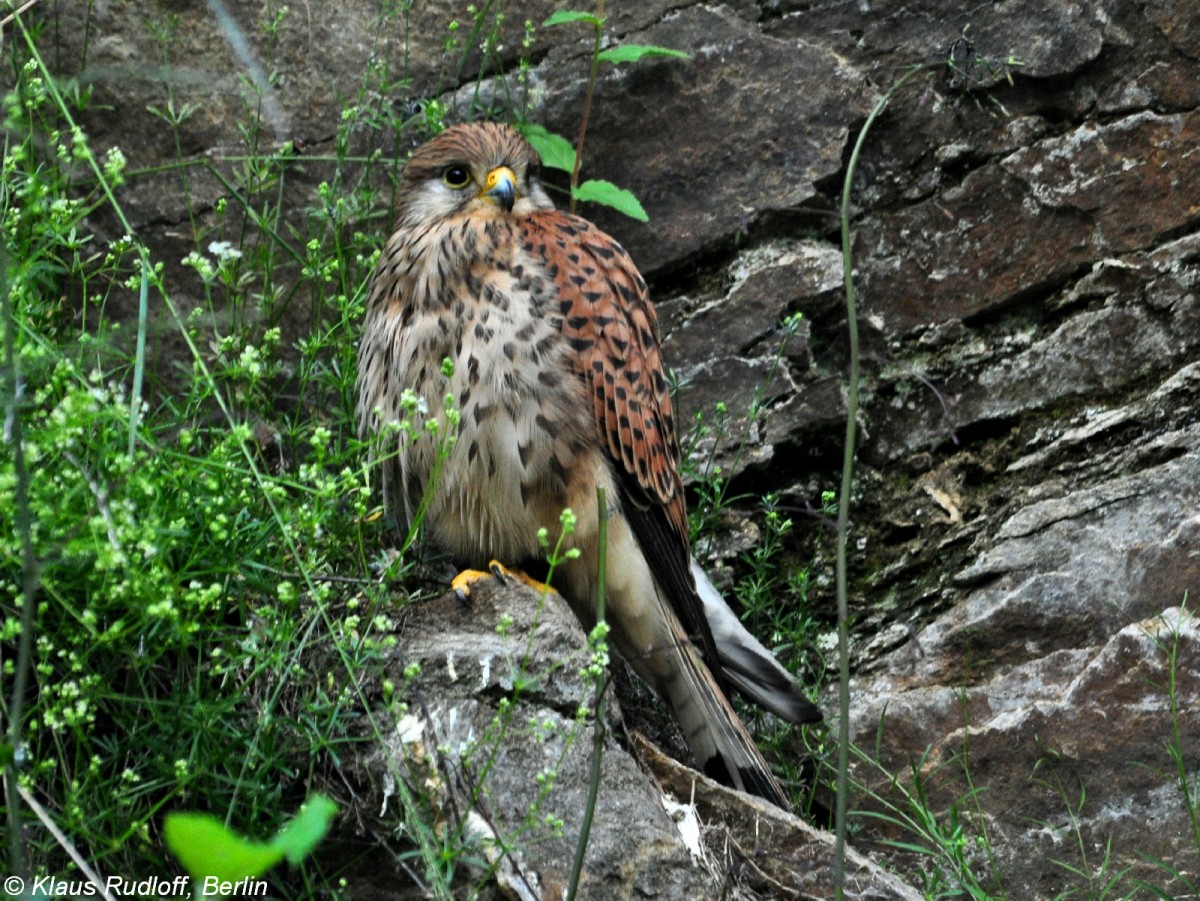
<point x="182" y="551"/>
<point x="951" y="842"/>
<point x="772" y="591"/>
<point x="1168" y="640"/>
<point x="556" y="152"/>
<point x="1095" y="879"/>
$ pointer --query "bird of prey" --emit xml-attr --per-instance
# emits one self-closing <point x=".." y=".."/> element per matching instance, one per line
<point x="559" y="385"/>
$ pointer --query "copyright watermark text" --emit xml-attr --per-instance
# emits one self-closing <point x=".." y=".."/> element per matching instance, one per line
<point x="120" y="887"/>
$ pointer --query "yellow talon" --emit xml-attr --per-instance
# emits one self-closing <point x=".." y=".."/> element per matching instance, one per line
<point x="464" y="580"/>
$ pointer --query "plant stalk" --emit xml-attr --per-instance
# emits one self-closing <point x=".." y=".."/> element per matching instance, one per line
<point x="29" y="576"/>
<point x="843" y="518"/>
<point x="587" y="101"/>
<point x="598" y="732"/>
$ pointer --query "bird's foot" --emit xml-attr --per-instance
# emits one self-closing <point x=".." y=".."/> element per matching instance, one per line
<point x="496" y="570"/>
<point x="464" y="580"/>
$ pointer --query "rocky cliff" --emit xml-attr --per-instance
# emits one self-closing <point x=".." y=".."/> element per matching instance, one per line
<point x="1027" y="250"/>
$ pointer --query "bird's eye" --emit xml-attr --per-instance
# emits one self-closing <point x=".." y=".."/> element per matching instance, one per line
<point x="457" y="177"/>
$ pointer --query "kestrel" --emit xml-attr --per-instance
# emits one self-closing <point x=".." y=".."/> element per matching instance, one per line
<point x="559" y="385"/>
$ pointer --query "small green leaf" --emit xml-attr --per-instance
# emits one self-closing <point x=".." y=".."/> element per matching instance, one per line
<point x="631" y="53"/>
<point x="563" y="16"/>
<point x="297" y="839"/>
<point x="207" y="848"/>
<point x="555" y="150"/>
<point x="599" y="191"/>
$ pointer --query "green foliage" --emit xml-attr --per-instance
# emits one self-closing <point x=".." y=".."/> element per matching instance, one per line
<point x="555" y="150"/>
<point x="559" y="149"/>
<point x="566" y="17"/>
<point x="200" y="599"/>
<point x="209" y="850"/>
<point x="557" y="153"/>
<point x="632" y="53"/>
<point x="951" y="841"/>
<point x="605" y="192"/>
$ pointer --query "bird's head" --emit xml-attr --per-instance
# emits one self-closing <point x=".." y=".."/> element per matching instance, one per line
<point x="479" y="168"/>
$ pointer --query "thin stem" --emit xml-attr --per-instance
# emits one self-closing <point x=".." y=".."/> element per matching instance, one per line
<point x="29" y="573"/>
<point x="98" y="886"/>
<point x="1176" y="746"/>
<point x="139" y="363"/>
<point x="587" y="101"/>
<point x="843" y="519"/>
<point x="598" y="732"/>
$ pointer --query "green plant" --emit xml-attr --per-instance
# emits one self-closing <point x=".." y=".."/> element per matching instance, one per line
<point x="706" y="439"/>
<point x="222" y="862"/>
<point x="182" y="545"/>
<point x="772" y="591"/>
<point x="1168" y="640"/>
<point x="597" y="674"/>
<point x="952" y="841"/>
<point x="557" y="152"/>
<point x="1095" y="879"/>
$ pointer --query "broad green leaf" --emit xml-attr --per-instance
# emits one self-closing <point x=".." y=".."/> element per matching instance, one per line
<point x="555" y="150"/>
<point x="631" y="53"/>
<point x="297" y="839"/>
<point x="206" y="848"/>
<point x="599" y="191"/>
<point x="563" y="16"/>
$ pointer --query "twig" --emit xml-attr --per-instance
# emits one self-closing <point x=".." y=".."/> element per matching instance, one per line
<point x="65" y="844"/>
<point x="139" y="362"/>
<point x="587" y="101"/>
<point x="13" y="15"/>
<point x="598" y="731"/>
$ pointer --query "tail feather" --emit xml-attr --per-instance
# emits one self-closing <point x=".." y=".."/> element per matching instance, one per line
<point x="746" y="664"/>
<point x="645" y="600"/>
<point x="716" y="737"/>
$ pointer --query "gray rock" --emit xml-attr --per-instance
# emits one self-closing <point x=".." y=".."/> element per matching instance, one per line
<point x="1069" y="746"/>
<point x="491" y="745"/>
<point x="492" y="714"/>
<point x="700" y="192"/>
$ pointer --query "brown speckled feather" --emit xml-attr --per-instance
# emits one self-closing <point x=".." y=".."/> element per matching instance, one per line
<point x="612" y="332"/>
<point x="556" y="387"/>
<point x="611" y="326"/>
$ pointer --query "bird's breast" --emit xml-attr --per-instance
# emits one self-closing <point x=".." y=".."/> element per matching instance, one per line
<point x="481" y="345"/>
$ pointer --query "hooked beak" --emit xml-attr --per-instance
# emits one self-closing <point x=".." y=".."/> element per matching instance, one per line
<point x="500" y="188"/>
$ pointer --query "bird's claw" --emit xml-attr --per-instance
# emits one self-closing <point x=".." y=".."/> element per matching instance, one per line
<point x="496" y="570"/>
<point x="464" y="580"/>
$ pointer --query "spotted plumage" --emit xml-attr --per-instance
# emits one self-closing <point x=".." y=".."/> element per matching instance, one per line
<point x="558" y="381"/>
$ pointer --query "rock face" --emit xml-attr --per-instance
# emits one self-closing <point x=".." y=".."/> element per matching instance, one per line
<point x="506" y="761"/>
<point x="491" y="740"/>
<point x="1027" y="252"/>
